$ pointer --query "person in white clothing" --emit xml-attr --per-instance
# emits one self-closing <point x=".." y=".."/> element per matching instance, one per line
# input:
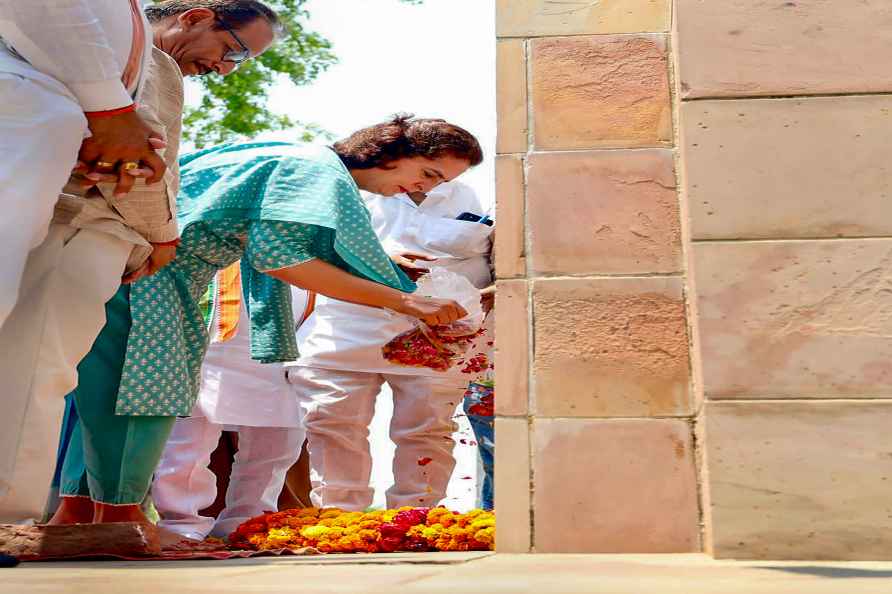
<point x="68" y="69"/>
<point x="341" y="368"/>
<point x="237" y="394"/>
<point x="95" y="237"/>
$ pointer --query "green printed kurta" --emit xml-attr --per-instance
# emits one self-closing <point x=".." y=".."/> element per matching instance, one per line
<point x="273" y="205"/>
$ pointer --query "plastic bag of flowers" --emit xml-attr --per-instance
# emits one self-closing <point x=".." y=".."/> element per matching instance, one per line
<point x="439" y="347"/>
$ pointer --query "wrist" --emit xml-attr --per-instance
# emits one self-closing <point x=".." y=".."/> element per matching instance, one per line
<point x="397" y="301"/>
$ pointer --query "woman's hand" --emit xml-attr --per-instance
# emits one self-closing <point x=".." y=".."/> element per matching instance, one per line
<point x="431" y="311"/>
<point x="406" y="261"/>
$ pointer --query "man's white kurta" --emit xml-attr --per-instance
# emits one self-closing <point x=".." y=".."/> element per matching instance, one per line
<point x="349" y="337"/>
<point x="237" y="390"/>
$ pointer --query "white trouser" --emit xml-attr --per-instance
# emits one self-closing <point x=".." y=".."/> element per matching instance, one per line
<point x="338" y="407"/>
<point x="65" y="285"/>
<point x="184" y="484"/>
<point x="41" y="129"/>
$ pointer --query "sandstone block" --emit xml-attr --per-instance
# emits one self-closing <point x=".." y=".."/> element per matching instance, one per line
<point x="601" y="91"/>
<point x="512" y="347"/>
<point x="745" y="48"/>
<point x="799" y="480"/>
<point x="789" y="168"/>
<point x="797" y="319"/>
<point x="613" y="212"/>
<point x="512" y="485"/>
<point x="610" y="347"/>
<point x="614" y="486"/>
<point x="509" y="250"/>
<point x="532" y="18"/>
<point x="511" y="96"/>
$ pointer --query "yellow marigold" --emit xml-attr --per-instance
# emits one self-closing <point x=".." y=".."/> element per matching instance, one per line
<point x="483" y="523"/>
<point x="330" y="512"/>
<point x="431" y="533"/>
<point x="486" y="535"/>
<point x="280" y="534"/>
<point x="377" y="514"/>
<point x="334" y="532"/>
<point x="314" y="532"/>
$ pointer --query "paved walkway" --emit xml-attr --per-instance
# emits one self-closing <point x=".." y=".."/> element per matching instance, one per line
<point x="445" y="573"/>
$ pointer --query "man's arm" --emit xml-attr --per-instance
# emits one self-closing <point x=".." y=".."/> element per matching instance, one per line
<point x="65" y="38"/>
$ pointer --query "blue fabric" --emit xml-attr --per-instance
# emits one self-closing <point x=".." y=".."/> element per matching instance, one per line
<point x="484" y="432"/>
<point x="69" y="421"/>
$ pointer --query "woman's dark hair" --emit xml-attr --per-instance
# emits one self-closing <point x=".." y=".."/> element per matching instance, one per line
<point x="235" y="13"/>
<point x="404" y="137"/>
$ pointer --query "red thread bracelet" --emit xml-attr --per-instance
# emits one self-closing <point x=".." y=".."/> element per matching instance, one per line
<point x="172" y="242"/>
<point x="111" y="112"/>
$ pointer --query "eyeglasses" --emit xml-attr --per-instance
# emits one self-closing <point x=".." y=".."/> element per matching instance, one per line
<point x="236" y="57"/>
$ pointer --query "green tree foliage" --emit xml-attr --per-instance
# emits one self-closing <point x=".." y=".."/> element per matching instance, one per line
<point x="236" y="105"/>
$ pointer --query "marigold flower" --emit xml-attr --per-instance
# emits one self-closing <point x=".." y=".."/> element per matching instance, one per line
<point x="335" y="531"/>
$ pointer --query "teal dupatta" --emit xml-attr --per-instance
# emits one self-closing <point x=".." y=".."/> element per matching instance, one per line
<point x="224" y="189"/>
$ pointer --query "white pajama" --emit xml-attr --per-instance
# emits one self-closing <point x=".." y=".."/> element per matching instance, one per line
<point x="338" y="407"/>
<point x="184" y="484"/>
<point x="66" y="283"/>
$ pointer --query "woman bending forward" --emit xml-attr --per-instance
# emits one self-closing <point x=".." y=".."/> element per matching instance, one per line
<point x="294" y="213"/>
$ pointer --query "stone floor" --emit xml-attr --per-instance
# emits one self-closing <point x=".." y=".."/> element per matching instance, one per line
<point x="458" y="573"/>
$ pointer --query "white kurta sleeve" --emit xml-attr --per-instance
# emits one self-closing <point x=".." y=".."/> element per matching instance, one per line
<point x="71" y="38"/>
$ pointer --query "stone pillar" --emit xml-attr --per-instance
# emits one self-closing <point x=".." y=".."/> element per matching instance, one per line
<point x="786" y="121"/>
<point x="595" y="403"/>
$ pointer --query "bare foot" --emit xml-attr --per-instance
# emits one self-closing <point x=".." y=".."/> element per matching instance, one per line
<point x="73" y="510"/>
<point x="105" y="514"/>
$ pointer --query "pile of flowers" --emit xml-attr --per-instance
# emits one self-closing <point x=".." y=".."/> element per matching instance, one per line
<point x="437" y="348"/>
<point x="479" y="363"/>
<point x="331" y="530"/>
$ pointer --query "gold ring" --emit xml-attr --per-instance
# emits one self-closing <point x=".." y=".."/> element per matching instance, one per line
<point x="129" y="165"/>
<point x="105" y="164"/>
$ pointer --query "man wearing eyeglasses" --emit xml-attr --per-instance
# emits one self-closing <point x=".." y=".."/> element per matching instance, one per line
<point x="205" y="36"/>
<point x="97" y="235"/>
